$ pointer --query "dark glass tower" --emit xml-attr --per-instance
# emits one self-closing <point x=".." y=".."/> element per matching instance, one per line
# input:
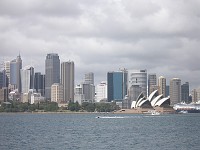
<point x="117" y="85"/>
<point x="39" y="83"/>
<point x="52" y="73"/>
<point x="185" y="92"/>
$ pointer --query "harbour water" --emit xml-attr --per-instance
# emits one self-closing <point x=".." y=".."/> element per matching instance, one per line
<point x="88" y="132"/>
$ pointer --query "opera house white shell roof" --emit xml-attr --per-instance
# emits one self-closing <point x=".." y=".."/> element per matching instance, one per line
<point x="153" y="100"/>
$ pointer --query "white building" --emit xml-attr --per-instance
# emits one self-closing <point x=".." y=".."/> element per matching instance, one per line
<point x="138" y="78"/>
<point x="101" y="91"/>
<point x="57" y="93"/>
<point x="79" y="96"/>
<point x="36" y="98"/>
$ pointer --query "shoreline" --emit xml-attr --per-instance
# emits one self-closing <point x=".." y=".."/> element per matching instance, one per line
<point x="122" y="111"/>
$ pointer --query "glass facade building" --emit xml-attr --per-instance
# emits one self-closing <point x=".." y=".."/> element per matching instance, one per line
<point x="185" y="92"/>
<point x="116" y="85"/>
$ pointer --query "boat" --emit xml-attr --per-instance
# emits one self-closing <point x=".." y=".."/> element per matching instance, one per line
<point x="155" y="113"/>
<point x="183" y="112"/>
<point x="109" y="117"/>
<point x="187" y="108"/>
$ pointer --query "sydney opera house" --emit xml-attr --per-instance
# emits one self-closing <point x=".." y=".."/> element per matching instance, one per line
<point x="153" y="101"/>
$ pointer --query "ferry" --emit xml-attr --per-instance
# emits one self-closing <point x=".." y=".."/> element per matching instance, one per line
<point x="187" y="108"/>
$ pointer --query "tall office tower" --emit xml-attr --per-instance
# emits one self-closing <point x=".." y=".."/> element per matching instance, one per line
<point x="162" y="85"/>
<point x="152" y="82"/>
<point x="185" y="92"/>
<point x="117" y="85"/>
<point x="138" y="77"/>
<point x="27" y="78"/>
<point x="57" y="92"/>
<point x="67" y="80"/>
<point x="7" y="69"/>
<point x="15" y="77"/>
<point x="32" y="77"/>
<point x="89" y="78"/>
<point x="52" y="72"/>
<point x="39" y="83"/>
<point x="3" y="79"/>
<point x="175" y="91"/>
<point x="101" y="92"/>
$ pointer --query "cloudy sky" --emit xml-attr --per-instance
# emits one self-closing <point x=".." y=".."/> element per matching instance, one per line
<point x="162" y="36"/>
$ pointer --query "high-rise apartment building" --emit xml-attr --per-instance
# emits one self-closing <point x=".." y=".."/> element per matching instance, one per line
<point x="139" y="78"/>
<point x="162" y="86"/>
<point x="117" y="85"/>
<point x="67" y="80"/>
<point x="195" y="93"/>
<point x="52" y="72"/>
<point x="57" y="92"/>
<point x="152" y="82"/>
<point x="175" y="91"/>
<point x="185" y="92"/>
<point x="7" y="69"/>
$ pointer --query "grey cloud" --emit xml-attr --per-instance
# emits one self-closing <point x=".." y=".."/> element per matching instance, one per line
<point x="100" y="36"/>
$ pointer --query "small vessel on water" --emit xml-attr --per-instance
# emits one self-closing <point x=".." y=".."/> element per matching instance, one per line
<point x="153" y="112"/>
<point x="187" y="108"/>
<point x="109" y="117"/>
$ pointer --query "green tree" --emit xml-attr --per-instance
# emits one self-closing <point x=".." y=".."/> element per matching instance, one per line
<point x="89" y="107"/>
<point x="74" y="106"/>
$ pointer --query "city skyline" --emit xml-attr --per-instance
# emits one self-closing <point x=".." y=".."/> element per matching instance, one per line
<point x="102" y="36"/>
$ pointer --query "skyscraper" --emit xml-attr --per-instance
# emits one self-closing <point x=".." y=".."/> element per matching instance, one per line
<point x="15" y="77"/>
<point x="89" y="78"/>
<point x="67" y="80"/>
<point x="3" y="79"/>
<point x="27" y="79"/>
<point x="162" y="86"/>
<point x="152" y="82"/>
<point x="117" y="85"/>
<point x="175" y="91"/>
<point x="39" y="83"/>
<point x="7" y="69"/>
<point x="185" y="92"/>
<point x="52" y="72"/>
<point x="138" y="77"/>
